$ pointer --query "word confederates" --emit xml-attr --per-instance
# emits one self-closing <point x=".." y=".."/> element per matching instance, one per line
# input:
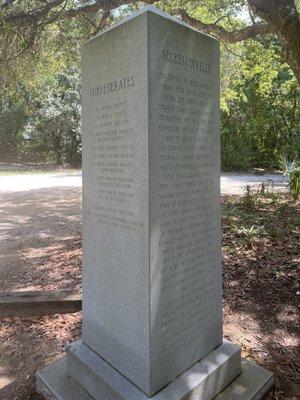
<point x="170" y="56"/>
<point x="186" y="61"/>
<point x="109" y="87"/>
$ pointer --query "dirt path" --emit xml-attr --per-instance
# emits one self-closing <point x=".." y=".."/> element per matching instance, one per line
<point x="36" y="225"/>
<point x="40" y="248"/>
<point x="32" y="181"/>
<point x="230" y="183"/>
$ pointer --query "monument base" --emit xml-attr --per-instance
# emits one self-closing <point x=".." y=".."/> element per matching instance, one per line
<point x="83" y="375"/>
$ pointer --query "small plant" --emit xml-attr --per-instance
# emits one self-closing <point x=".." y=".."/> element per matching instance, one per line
<point x="265" y="186"/>
<point x="294" y="183"/>
<point x="291" y="170"/>
<point x="274" y="197"/>
<point x="250" y="233"/>
<point x="249" y="199"/>
<point x="288" y="166"/>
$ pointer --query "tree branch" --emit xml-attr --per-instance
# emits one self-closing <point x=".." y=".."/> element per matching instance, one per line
<point x="89" y="9"/>
<point x="280" y="17"/>
<point x="102" y="22"/>
<point x="105" y="5"/>
<point x="228" y="36"/>
<point x="284" y="17"/>
<point x="35" y="15"/>
<point x="7" y="3"/>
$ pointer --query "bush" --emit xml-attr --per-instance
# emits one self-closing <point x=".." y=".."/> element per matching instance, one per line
<point x="53" y="131"/>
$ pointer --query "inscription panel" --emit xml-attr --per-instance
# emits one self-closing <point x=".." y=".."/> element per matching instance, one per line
<point x="184" y="199"/>
<point x="114" y="192"/>
<point x="115" y="199"/>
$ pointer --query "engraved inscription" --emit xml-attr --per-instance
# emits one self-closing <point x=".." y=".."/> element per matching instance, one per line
<point x="186" y="155"/>
<point x="112" y="160"/>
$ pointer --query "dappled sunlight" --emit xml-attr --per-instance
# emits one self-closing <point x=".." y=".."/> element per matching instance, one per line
<point x="4" y="380"/>
<point x="30" y="344"/>
<point x="40" y="239"/>
<point x="32" y="252"/>
<point x="7" y="366"/>
<point x="260" y="302"/>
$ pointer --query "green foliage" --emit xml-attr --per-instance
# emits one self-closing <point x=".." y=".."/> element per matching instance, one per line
<point x="288" y="165"/>
<point x="294" y="184"/>
<point x="291" y="170"/>
<point x="12" y="119"/>
<point x="39" y="92"/>
<point x="249" y="234"/>
<point x="260" y="109"/>
<point x="249" y="199"/>
<point x="53" y="130"/>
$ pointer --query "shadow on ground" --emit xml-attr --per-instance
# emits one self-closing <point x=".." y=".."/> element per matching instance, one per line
<point x="41" y="249"/>
<point x="40" y="242"/>
<point x="38" y="230"/>
<point x="260" y="289"/>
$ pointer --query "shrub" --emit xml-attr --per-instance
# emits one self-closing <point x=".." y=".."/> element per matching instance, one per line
<point x="291" y="170"/>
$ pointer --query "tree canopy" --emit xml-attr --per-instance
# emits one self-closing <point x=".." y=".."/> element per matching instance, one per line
<point x="40" y="44"/>
<point x="24" y="20"/>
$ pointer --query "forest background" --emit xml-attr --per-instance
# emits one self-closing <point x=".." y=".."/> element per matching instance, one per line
<point x="40" y="109"/>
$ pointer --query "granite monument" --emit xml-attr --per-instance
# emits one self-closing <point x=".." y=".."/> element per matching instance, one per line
<point x="152" y="286"/>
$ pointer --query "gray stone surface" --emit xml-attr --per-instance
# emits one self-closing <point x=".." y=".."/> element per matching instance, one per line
<point x="151" y="224"/>
<point x="151" y="219"/>
<point x="184" y="216"/>
<point x="252" y="384"/>
<point x="54" y="383"/>
<point x="115" y="199"/>
<point x="203" y="381"/>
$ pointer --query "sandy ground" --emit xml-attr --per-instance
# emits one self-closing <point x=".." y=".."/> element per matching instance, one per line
<point x="235" y="184"/>
<point x="40" y="229"/>
<point x="230" y="183"/>
<point x="32" y="225"/>
<point x="27" y="182"/>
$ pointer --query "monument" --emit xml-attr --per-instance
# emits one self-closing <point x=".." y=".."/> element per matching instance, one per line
<point x="152" y="286"/>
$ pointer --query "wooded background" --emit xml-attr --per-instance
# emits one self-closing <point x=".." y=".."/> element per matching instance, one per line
<point x="40" y="44"/>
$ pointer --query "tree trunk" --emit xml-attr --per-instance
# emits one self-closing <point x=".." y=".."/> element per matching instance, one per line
<point x="283" y="15"/>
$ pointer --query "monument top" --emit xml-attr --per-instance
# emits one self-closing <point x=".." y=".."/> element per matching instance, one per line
<point x="143" y="10"/>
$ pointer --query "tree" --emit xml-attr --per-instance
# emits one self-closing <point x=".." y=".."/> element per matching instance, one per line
<point x="279" y="17"/>
<point x="39" y="81"/>
<point x="26" y="19"/>
<point x="12" y="119"/>
<point x="54" y="127"/>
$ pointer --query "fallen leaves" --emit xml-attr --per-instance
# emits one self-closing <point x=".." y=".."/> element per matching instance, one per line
<point x="260" y="280"/>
